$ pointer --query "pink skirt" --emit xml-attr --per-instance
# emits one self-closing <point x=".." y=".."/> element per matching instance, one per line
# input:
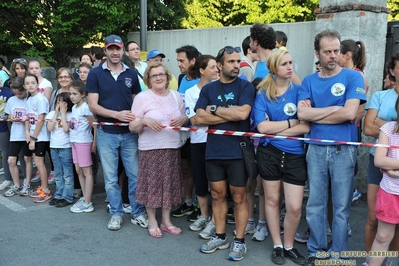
<point x="160" y="180"/>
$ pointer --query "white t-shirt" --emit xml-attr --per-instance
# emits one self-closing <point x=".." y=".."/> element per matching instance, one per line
<point x="17" y="108"/>
<point x="44" y="84"/>
<point x="58" y="138"/>
<point x="80" y="130"/>
<point x="191" y="98"/>
<point x="35" y="106"/>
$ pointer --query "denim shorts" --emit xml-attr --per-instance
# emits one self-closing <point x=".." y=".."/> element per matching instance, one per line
<point x="374" y="175"/>
<point x="274" y="164"/>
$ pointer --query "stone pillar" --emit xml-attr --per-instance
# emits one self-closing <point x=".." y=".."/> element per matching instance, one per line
<point x="364" y="20"/>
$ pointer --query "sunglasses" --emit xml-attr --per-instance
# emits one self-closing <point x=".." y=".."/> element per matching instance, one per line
<point x="19" y="60"/>
<point x="229" y="50"/>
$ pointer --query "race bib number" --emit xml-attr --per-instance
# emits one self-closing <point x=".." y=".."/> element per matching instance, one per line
<point x="74" y="124"/>
<point x="19" y="113"/>
<point x="32" y="118"/>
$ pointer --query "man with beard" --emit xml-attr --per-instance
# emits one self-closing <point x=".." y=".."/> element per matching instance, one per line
<point x="111" y="88"/>
<point x="329" y="99"/>
<point x="224" y="162"/>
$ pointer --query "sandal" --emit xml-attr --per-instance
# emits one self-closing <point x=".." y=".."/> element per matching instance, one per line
<point x="155" y="232"/>
<point x="173" y="230"/>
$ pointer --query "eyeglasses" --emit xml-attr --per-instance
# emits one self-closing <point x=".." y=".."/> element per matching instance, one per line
<point x="156" y="76"/>
<point x="83" y="72"/>
<point x="64" y="77"/>
<point x="17" y="60"/>
<point x="229" y="50"/>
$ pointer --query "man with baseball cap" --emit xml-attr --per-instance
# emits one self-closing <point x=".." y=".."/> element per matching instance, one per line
<point x="111" y="89"/>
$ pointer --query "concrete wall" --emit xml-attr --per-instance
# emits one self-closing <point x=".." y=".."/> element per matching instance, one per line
<point x="210" y="41"/>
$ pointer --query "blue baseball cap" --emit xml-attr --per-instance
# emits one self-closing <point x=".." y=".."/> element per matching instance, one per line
<point x="153" y="53"/>
<point x="113" y="40"/>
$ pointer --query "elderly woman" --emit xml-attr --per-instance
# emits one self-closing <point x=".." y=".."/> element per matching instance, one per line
<point x="159" y="183"/>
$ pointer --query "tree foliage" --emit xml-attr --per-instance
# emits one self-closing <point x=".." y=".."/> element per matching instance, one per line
<point x="217" y="13"/>
<point x="55" y="29"/>
<point x="394" y="6"/>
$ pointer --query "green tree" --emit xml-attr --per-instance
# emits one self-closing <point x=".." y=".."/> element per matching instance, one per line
<point x="55" y="29"/>
<point x="394" y="6"/>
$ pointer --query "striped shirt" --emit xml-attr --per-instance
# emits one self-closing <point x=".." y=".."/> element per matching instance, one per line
<point x="391" y="184"/>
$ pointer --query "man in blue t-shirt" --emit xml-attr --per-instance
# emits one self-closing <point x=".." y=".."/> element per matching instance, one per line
<point x="111" y="88"/>
<point x="329" y="99"/>
<point x="224" y="162"/>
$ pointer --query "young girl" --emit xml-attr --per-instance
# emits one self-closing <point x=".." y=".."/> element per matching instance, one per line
<point x="37" y="134"/>
<point x="83" y="71"/>
<point x="281" y="162"/>
<point x="387" y="204"/>
<point x="16" y="111"/>
<point x="83" y="141"/>
<point x="61" y="151"/>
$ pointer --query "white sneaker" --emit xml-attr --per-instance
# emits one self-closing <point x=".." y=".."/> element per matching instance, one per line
<point x="2" y="171"/>
<point x="36" y="178"/>
<point x="51" y="179"/>
<point x="199" y="224"/>
<point x="6" y="184"/>
<point x="249" y="229"/>
<point x="82" y="207"/>
<point x="115" y="223"/>
<point x="260" y="233"/>
<point x="209" y="231"/>
<point x="126" y="208"/>
<point x="141" y="220"/>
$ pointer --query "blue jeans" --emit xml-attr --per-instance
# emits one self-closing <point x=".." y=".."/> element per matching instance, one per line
<point x="110" y="147"/>
<point x="334" y="165"/>
<point x="63" y="173"/>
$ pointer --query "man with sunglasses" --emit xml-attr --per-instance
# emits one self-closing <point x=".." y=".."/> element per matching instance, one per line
<point x="226" y="105"/>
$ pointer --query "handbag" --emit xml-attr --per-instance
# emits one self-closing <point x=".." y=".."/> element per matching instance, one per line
<point x="184" y="135"/>
<point x="248" y="151"/>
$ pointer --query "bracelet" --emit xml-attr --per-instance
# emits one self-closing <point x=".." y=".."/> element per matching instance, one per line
<point x="33" y="138"/>
<point x="289" y="124"/>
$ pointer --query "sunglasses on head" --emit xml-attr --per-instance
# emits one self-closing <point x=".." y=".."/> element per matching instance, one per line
<point x="17" y="60"/>
<point x="229" y="50"/>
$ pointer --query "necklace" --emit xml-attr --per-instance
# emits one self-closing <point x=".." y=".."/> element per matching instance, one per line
<point x="284" y="95"/>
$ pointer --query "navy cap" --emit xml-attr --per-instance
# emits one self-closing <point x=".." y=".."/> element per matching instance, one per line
<point x="153" y="53"/>
<point x="113" y="40"/>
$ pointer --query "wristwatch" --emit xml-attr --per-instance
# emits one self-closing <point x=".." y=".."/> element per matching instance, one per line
<point x="213" y="109"/>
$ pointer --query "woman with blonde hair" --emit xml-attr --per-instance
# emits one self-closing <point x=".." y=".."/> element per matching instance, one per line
<point x="281" y="161"/>
<point x="159" y="181"/>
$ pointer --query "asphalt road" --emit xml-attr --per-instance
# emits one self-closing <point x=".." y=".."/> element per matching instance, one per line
<point x="40" y="234"/>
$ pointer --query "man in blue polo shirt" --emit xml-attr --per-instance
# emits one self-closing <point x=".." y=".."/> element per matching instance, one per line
<point x="111" y="89"/>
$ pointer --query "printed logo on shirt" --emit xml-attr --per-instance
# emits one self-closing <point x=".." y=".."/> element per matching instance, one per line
<point x="187" y="111"/>
<point x="2" y="105"/>
<point x="34" y="107"/>
<point x="338" y="89"/>
<point x="229" y="96"/>
<point x="290" y="109"/>
<point x="360" y="90"/>
<point x="128" y="82"/>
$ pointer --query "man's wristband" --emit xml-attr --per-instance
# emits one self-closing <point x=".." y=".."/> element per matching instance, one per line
<point x="33" y="138"/>
<point x="289" y="124"/>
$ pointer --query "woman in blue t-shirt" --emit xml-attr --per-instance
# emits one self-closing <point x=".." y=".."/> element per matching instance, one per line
<point x="275" y="112"/>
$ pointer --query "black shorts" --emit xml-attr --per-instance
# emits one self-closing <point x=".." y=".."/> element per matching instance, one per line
<point x="231" y="170"/>
<point x="41" y="148"/>
<point x="15" y="147"/>
<point x="198" y="168"/>
<point x="185" y="150"/>
<point x="274" y="164"/>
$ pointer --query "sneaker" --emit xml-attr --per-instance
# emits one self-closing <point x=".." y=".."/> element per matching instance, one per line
<point x="12" y="191"/>
<point x="311" y="261"/>
<point x="237" y="251"/>
<point x="42" y="197"/>
<point x="194" y="215"/>
<point x="295" y="256"/>
<point x="115" y="223"/>
<point x="199" y="224"/>
<point x="183" y="210"/>
<point x="53" y="201"/>
<point x="126" y="208"/>
<point x="356" y="195"/>
<point x="77" y="193"/>
<point x="51" y="179"/>
<point x="249" y="229"/>
<point x="26" y="190"/>
<point x="278" y="256"/>
<point x="209" y="231"/>
<point x="36" y="178"/>
<point x="141" y="220"/>
<point x="260" y="233"/>
<point x="83" y="207"/>
<point x="5" y="184"/>
<point x="2" y="171"/>
<point x="214" y="244"/>
<point x="35" y="194"/>
<point x="62" y="203"/>
<point x="302" y="237"/>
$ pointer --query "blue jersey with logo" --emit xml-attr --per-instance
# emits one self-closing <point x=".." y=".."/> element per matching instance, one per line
<point x="237" y="93"/>
<point x="185" y="84"/>
<point x="279" y="111"/>
<point x="333" y="91"/>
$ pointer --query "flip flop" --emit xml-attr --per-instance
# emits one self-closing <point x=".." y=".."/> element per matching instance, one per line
<point x="155" y="232"/>
<point x="173" y="230"/>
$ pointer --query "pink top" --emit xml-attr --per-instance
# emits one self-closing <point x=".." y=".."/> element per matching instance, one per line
<point x="163" y="109"/>
<point x="390" y="184"/>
